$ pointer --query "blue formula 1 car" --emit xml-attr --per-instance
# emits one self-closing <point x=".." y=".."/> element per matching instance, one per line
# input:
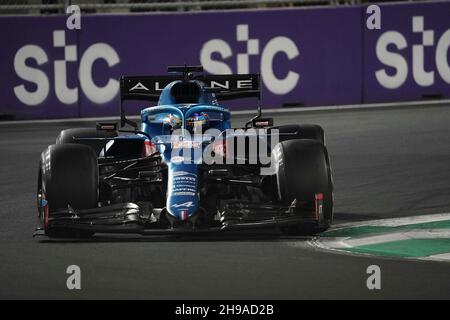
<point x="184" y="169"/>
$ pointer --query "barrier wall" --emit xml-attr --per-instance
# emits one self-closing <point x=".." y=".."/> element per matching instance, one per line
<point x="315" y="56"/>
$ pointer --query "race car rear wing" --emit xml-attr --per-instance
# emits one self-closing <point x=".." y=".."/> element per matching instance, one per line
<point x="225" y="87"/>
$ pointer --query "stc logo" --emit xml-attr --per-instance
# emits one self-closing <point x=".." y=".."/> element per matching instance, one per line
<point x="422" y="77"/>
<point x="64" y="94"/>
<point x="277" y="45"/>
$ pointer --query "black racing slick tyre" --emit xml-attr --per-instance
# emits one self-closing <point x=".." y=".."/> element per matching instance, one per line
<point x="302" y="171"/>
<point x="68" y="176"/>
<point x="69" y="136"/>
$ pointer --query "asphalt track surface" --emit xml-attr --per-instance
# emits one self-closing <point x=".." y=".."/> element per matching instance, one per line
<point x="387" y="163"/>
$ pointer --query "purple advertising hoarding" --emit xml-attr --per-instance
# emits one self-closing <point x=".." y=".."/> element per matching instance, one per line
<point x="31" y="73"/>
<point x="408" y="58"/>
<point x="303" y="55"/>
<point x="306" y="56"/>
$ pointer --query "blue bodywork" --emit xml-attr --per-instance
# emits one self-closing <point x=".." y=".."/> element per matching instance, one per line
<point x="182" y="187"/>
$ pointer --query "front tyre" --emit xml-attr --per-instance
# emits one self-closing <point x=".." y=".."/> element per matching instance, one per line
<point x="302" y="171"/>
<point x="68" y="175"/>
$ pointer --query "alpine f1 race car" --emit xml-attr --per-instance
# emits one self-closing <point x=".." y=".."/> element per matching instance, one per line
<point x="184" y="169"/>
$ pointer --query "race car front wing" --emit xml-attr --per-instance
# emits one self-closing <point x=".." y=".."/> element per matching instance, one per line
<point x="134" y="219"/>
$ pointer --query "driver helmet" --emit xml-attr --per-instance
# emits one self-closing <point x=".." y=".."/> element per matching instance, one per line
<point x="173" y="121"/>
<point x="198" y="119"/>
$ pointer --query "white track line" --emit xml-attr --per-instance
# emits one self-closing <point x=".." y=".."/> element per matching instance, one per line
<point x="340" y="243"/>
<point x="65" y="120"/>
<point x="396" y="222"/>
<point x="252" y="112"/>
<point x="399" y="236"/>
<point x="438" y="257"/>
<point x="351" y="107"/>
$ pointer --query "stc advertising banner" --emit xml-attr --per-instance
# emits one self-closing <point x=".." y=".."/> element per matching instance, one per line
<point x="310" y="56"/>
<point x="304" y="56"/>
<point x="409" y="57"/>
<point x="33" y="68"/>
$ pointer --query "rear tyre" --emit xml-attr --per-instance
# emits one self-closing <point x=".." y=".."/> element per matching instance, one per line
<point x="69" y="135"/>
<point x="303" y="171"/>
<point x="68" y="175"/>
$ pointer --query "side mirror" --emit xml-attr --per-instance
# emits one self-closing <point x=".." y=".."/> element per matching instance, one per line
<point x="262" y="122"/>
